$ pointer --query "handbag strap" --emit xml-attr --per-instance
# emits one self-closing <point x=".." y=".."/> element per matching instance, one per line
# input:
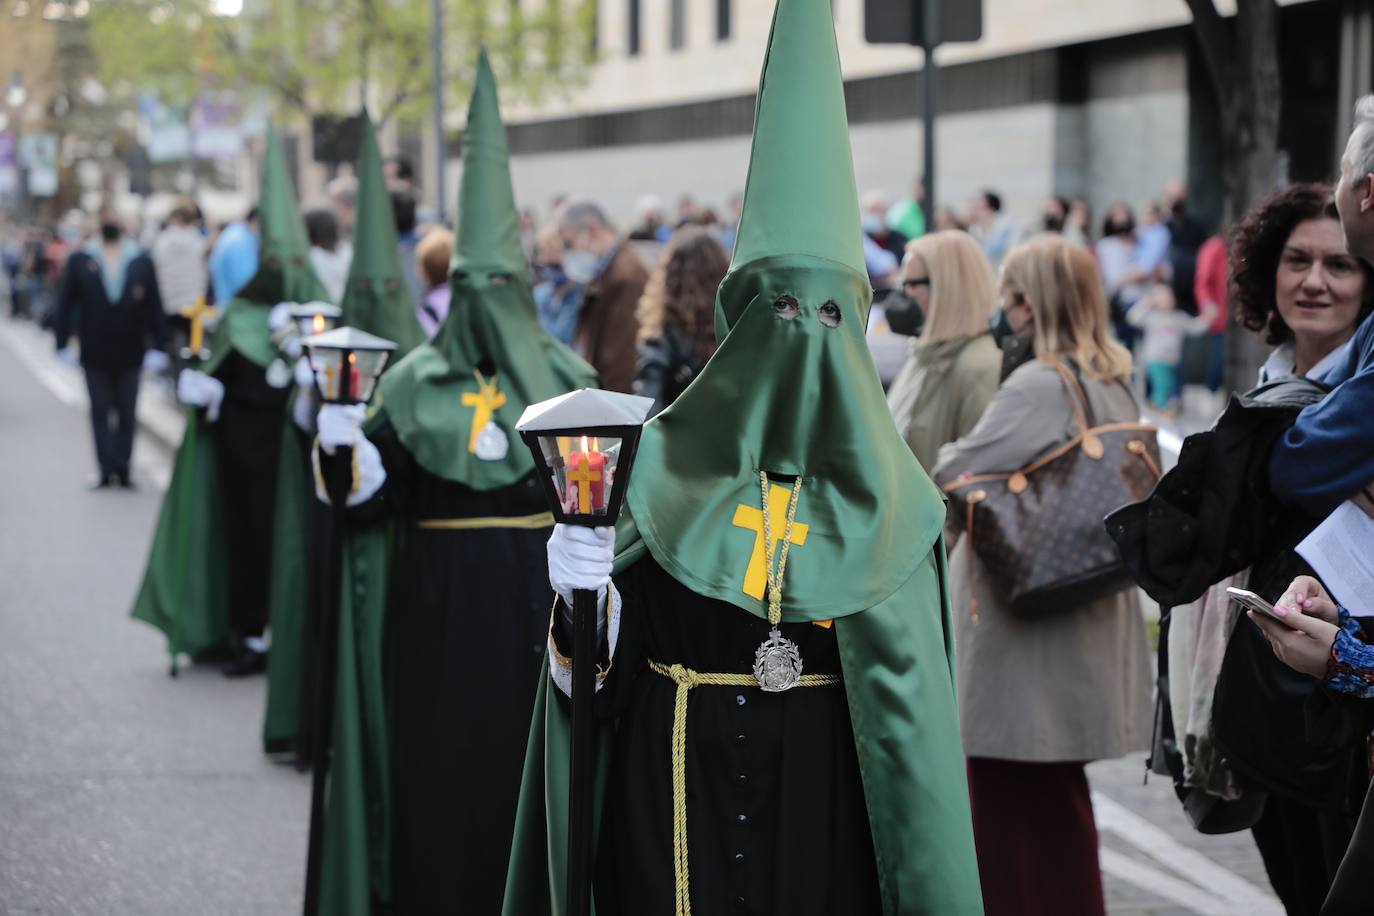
<point x="1078" y="400"/>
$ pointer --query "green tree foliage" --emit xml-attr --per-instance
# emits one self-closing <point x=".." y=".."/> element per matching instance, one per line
<point x="314" y="56"/>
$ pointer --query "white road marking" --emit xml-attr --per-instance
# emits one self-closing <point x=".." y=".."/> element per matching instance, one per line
<point x="51" y="374"/>
<point x="1230" y="887"/>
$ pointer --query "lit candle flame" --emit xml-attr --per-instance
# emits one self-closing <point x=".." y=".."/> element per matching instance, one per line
<point x="319" y="323"/>
<point x="584" y="445"/>
<point x="352" y="358"/>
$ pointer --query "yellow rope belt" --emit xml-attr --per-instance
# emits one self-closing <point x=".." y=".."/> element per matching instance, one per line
<point x="528" y="522"/>
<point x="687" y="679"/>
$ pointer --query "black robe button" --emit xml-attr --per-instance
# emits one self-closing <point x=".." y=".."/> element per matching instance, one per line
<point x="741" y="779"/>
<point x="744" y="818"/>
<point x="740" y="739"/>
<point x="740" y="699"/>
<point x="739" y="858"/>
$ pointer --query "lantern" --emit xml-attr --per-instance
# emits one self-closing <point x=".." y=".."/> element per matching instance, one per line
<point x="346" y="363"/>
<point x="584" y="445"/>
<point x="314" y="317"/>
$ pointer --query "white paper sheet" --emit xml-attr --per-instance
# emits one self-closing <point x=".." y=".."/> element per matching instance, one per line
<point x="1341" y="550"/>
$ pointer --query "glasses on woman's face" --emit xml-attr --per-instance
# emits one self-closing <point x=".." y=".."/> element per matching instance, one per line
<point x="912" y="284"/>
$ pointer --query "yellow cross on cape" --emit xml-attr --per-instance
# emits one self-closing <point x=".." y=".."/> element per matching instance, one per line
<point x="197" y="313"/>
<point x="484" y="402"/>
<point x="756" y="576"/>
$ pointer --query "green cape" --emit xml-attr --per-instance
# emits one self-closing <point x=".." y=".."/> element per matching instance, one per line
<point x="797" y="397"/>
<point x="491" y="328"/>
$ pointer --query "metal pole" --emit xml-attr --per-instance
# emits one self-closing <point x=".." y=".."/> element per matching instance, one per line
<point x="440" y="147"/>
<point x="930" y="39"/>
<point x="583" y="754"/>
<point x="340" y="482"/>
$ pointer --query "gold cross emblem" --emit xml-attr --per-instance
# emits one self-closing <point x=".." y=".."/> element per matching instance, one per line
<point x="197" y="313"/>
<point x="756" y="576"/>
<point x="484" y="402"/>
<point x="582" y="474"/>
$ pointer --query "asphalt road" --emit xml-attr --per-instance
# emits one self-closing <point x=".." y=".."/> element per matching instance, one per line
<point x="121" y="791"/>
<point x="125" y="792"/>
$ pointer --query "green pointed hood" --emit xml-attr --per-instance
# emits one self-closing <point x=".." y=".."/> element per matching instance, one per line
<point x="790" y="395"/>
<point x="488" y="235"/>
<point x="376" y="298"/>
<point x="284" y="273"/>
<point x="434" y="397"/>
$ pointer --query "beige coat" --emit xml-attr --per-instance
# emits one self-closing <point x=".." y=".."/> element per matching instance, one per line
<point x="941" y="392"/>
<point x="1071" y="687"/>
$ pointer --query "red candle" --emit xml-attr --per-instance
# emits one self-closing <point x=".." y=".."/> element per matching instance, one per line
<point x="586" y="481"/>
<point x="353" y="391"/>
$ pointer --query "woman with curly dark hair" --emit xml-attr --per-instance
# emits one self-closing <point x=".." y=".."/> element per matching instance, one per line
<point x="677" y="315"/>
<point x="1293" y="279"/>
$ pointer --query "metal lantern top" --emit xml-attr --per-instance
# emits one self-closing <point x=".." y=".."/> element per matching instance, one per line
<point x="347" y="363"/>
<point x="584" y="445"/>
<point x="314" y="317"/>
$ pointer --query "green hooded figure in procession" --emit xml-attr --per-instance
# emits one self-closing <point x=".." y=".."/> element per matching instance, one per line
<point x="776" y="654"/>
<point x="376" y="300"/>
<point x="445" y="557"/>
<point x="210" y="568"/>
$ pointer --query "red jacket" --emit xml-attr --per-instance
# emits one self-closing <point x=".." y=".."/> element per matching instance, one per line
<point x="1209" y="283"/>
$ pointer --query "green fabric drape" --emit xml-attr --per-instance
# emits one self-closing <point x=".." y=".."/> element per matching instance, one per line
<point x="185" y="586"/>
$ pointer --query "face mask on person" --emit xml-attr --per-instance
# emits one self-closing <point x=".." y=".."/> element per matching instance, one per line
<point x="1018" y="347"/>
<point x="109" y="231"/>
<point x="873" y="224"/>
<point x="904" y="315"/>
<point x="579" y="265"/>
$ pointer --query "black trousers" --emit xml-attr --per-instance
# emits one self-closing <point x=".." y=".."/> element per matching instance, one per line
<point x="113" y="393"/>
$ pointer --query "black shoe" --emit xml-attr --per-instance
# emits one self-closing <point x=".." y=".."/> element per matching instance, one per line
<point x="246" y="663"/>
<point x="102" y="482"/>
<point x="124" y="481"/>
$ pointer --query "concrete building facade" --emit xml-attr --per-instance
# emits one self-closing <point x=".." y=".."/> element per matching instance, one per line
<point x="1104" y="99"/>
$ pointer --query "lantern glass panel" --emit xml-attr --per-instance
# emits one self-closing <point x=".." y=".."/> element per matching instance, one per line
<point x="328" y="375"/>
<point x="365" y="367"/>
<point x="583" y="469"/>
<point x="314" y="324"/>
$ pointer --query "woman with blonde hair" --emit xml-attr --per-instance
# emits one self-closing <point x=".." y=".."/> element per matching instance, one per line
<point x="954" y="366"/>
<point x="1040" y="698"/>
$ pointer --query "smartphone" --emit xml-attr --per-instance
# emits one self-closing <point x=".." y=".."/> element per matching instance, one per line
<point x="1249" y="600"/>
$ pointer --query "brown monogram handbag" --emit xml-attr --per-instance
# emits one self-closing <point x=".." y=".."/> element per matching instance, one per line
<point x="1039" y="530"/>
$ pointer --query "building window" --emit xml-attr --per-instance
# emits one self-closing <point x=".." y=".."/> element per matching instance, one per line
<point x="677" y="24"/>
<point x="722" y="20"/>
<point x="632" y="27"/>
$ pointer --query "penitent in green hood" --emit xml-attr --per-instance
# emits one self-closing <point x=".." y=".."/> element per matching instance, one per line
<point x="454" y="401"/>
<point x="791" y="390"/>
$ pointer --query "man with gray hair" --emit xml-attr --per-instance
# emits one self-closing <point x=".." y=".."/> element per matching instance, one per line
<point x="1327" y="457"/>
<point x="613" y="277"/>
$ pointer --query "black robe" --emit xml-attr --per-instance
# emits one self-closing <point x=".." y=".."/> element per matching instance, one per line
<point x="776" y="821"/>
<point x="249" y="438"/>
<point x="467" y="625"/>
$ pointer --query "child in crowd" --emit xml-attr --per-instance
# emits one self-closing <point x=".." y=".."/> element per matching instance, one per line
<point x="1164" y="328"/>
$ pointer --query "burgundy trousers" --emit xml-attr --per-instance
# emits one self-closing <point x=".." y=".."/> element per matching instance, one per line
<point x="1036" y="838"/>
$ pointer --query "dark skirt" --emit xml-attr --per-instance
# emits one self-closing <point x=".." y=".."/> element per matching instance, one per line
<point x="1036" y="838"/>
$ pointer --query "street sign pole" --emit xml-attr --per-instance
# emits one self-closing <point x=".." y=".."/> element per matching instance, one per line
<point x="439" y="146"/>
<point x="930" y="39"/>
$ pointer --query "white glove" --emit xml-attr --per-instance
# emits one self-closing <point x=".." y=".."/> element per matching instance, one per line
<point x="340" y="424"/>
<point x="65" y="355"/>
<point x="292" y="347"/>
<point x="581" y="558"/>
<point x="305" y="376"/>
<point x="200" y="390"/>
<point x="155" y="361"/>
<point x="280" y="316"/>
<point x="367" y="462"/>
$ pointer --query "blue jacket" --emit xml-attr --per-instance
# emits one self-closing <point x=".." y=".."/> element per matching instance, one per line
<point x="1328" y="455"/>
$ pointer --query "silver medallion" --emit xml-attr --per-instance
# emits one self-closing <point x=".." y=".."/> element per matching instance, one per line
<point x="777" y="663"/>
<point x="492" y="443"/>
<point x="279" y="375"/>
